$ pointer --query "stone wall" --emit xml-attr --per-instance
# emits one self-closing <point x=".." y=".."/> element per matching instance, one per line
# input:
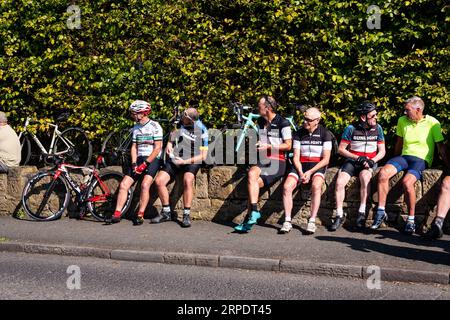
<point x="221" y="196"/>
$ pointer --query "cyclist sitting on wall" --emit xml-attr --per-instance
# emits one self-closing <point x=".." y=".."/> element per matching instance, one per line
<point x="365" y="140"/>
<point x="312" y="150"/>
<point x="417" y="135"/>
<point x="145" y="158"/>
<point x="187" y="149"/>
<point x="275" y="139"/>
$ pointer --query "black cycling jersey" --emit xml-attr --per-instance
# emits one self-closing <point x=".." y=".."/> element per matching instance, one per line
<point x="188" y="141"/>
<point x="312" y="145"/>
<point x="274" y="134"/>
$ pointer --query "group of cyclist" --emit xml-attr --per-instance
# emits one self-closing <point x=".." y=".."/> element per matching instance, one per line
<point x="362" y="145"/>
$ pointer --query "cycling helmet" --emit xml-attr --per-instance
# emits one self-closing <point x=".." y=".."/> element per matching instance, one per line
<point x="364" y="108"/>
<point x="140" y="106"/>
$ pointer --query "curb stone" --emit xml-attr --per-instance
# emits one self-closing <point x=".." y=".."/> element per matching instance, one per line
<point x="237" y="262"/>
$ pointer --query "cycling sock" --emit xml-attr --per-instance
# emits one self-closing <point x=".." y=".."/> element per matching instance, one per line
<point x="117" y="214"/>
<point x="141" y="214"/>
<point x="186" y="211"/>
<point x="411" y="218"/>
<point x="166" y="208"/>
<point x="312" y="220"/>
<point x="439" y="221"/>
<point x="287" y="219"/>
<point x="340" y="212"/>
<point x="380" y="208"/>
<point x="254" y="207"/>
<point x="362" y="208"/>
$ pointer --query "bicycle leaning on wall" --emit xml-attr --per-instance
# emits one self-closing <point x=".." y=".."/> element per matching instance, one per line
<point x="73" y="144"/>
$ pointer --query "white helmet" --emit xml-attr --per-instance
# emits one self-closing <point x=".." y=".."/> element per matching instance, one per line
<point x="140" y="106"/>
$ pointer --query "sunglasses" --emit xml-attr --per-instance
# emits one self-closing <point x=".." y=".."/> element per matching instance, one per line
<point x="374" y="116"/>
<point x="310" y="120"/>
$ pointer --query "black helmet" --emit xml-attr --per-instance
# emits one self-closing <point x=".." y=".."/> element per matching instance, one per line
<point x="364" y="108"/>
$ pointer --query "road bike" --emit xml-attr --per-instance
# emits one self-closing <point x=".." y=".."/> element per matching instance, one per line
<point x="72" y="143"/>
<point x="47" y="194"/>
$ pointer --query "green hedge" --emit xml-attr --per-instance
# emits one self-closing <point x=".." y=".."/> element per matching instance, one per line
<point x="210" y="52"/>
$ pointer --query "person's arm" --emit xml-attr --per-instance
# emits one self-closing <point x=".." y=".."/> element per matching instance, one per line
<point x="156" y="150"/>
<point x="381" y="152"/>
<point x="297" y="163"/>
<point x="322" y="163"/>
<point x="133" y="153"/>
<point x="398" y="146"/>
<point x="342" y="150"/>
<point x="197" y="159"/>
<point x="443" y="153"/>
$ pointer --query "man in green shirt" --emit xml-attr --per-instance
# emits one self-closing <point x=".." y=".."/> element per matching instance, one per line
<point x="417" y="135"/>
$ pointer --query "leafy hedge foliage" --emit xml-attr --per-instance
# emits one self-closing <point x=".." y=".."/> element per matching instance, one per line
<point x="207" y="53"/>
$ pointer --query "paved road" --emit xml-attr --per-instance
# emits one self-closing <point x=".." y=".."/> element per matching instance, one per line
<point x="386" y="248"/>
<point x="33" y="276"/>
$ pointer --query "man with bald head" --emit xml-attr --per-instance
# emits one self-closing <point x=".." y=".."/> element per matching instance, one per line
<point x="186" y="150"/>
<point x="312" y="151"/>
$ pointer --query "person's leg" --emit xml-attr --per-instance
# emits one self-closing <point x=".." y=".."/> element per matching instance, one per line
<point x="316" y="194"/>
<point x="386" y="173"/>
<point x="288" y="187"/>
<point x="408" y="186"/>
<point x="145" y="194"/>
<point x="188" y="195"/>
<point x="254" y="184"/>
<point x="443" y="206"/>
<point x="124" y="186"/>
<point x="341" y="182"/>
<point x="161" y="181"/>
<point x="364" y="179"/>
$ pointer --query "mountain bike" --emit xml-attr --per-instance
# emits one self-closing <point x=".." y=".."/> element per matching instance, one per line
<point x="47" y="194"/>
<point x="72" y="143"/>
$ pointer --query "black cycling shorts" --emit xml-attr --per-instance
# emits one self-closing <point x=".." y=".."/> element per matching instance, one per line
<point x="172" y="169"/>
<point x="354" y="169"/>
<point x="305" y="167"/>
<point x="272" y="170"/>
<point x="151" y="169"/>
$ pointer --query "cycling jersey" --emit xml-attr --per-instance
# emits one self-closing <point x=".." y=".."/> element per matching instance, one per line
<point x="145" y="136"/>
<point x="277" y="132"/>
<point x="363" y="142"/>
<point x="189" y="141"/>
<point x="312" y="145"/>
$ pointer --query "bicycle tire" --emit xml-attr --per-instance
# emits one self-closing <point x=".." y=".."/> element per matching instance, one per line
<point x="32" y="198"/>
<point x="81" y="152"/>
<point x="25" y="145"/>
<point x="112" y="179"/>
<point x="115" y="148"/>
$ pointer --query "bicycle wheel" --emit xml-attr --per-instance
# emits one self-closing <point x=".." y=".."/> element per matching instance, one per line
<point x="77" y="144"/>
<point x="25" y="145"/>
<point x="116" y="148"/>
<point x="45" y="198"/>
<point x="102" y="196"/>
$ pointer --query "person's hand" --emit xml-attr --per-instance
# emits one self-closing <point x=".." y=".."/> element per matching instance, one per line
<point x="141" y="168"/>
<point x="370" y="163"/>
<point x="361" y="161"/>
<point x="306" y="177"/>
<point x="178" y="161"/>
<point x="169" y="150"/>
<point x="262" y="146"/>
